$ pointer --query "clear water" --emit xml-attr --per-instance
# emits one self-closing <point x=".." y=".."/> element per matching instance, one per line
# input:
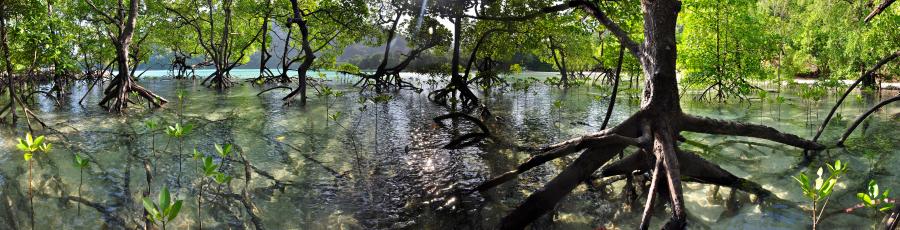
<point x="382" y="167"/>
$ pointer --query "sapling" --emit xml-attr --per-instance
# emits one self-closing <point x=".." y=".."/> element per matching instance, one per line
<point x="179" y="132"/>
<point x="29" y="146"/>
<point x="81" y="164"/>
<point x="380" y="99"/>
<point x="326" y="93"/>
<point x="151" y="126"/>
<point x="209" y="169"/>
<point x="821" y="188"/>
<point x="558" y="104"/>
<point x="164" y="211"/>
<point x="874" y="199"/>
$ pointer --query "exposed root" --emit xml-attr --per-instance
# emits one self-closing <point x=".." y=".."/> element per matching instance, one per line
<point x="116" y="99"/>
<point x="715" y="126"/>
<point x="665" y="163"/>
<point x="466" y="139"/>
<point x="109" y="217"/>
<point x="860" y="119"/>
<point x="273" y="88"/>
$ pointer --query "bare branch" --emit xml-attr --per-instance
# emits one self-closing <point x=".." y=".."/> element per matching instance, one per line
<point x="109" y="19"/>
<point x="879" y="9"/>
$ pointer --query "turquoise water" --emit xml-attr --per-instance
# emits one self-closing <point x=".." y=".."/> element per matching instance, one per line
<point x="381" y="166"/>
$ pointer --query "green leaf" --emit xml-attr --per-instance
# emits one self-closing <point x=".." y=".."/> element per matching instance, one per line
<point x="174" y="210"/>
<point x="39" y="140"/>
<point x="873" y="188"/>
<point x="28" y="140"/>
<point x="22" y="146"/>
<point x="164" y="199"/>
<point x="150" y="207"/>
<point x="27" y="156"/>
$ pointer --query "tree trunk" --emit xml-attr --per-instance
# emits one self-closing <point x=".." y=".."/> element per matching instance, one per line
<point x="7" y="63"/>
<point x="118" y="90"/>
<point x="264" y="50"/>
<point x="308" y="55"/>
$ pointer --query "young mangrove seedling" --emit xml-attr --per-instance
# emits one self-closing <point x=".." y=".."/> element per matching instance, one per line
<point x="151" y="126"/>
<point x="558" y="104"/>
<point x="179" y="132"/>
<point x="81" y="164"/>
<point x="874" y="199"/>
<point x="821" y="188"/>
<point x="164" y="211"/>
<point x="29" y="146"/>
<point x="326" y="93"/>
<point x="380" y="99"/>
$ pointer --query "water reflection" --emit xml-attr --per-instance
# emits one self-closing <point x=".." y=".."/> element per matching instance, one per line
<point x="382" y="167"/>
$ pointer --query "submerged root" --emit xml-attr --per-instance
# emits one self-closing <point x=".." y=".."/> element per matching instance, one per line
<point x="655" y="135"/>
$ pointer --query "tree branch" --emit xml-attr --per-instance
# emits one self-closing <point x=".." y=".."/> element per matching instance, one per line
<point x="878" y="10"/>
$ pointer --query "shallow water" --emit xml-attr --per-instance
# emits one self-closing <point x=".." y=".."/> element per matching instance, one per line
<point x="381" y="166"/>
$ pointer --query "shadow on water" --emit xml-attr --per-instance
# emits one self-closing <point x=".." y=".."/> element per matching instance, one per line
<point x="381" y="166"/>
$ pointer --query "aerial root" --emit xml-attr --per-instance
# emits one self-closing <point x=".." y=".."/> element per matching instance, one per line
<point x="667" y="173"/>
<point x="541" y="201"/>
<point x="273" y="88"/>
<point x="561" y="151"/>
<point x="860" y="119"/>
<point x="466" y="139"/>
<point x="732" y="128"/>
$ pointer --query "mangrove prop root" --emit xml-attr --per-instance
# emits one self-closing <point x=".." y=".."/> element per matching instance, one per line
<point x="466" y="139"/>
<point x="654" y="134"/>
<point x="860" y="119"/>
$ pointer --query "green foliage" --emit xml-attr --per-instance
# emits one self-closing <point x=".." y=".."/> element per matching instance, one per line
<point x="821" y="188"/>
<point x="81" y="162"/>
<point x="348" y="67"/>
<point x="164" y="210"/>
<point x="724" y="45"/>
<point x="179" y="131"/>
<point x="515" y="68"/>
<point x="874" y="199"/>
<point x="223" y="152"/>
<point x="30" y="145"/>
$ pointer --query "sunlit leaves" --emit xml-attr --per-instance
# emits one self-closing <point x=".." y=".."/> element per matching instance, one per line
<point x="31" y="145"/>
<point x="874" y="198"/>
<point x="164" y="210"/>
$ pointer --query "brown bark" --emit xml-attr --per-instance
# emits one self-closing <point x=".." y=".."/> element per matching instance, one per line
<point x="654" y="128"/>
<point x="879" y="9"/>
<point x="116" y="99"/>
<point x="308" y="55"/>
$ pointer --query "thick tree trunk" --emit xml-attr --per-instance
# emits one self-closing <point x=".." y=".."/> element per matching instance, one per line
<point x="120" y="87"/>
<point x="308" y="55"/>
<point x="654" y="129"/>
<point x="7" y="63"/>
<point x="264" y="50"/>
